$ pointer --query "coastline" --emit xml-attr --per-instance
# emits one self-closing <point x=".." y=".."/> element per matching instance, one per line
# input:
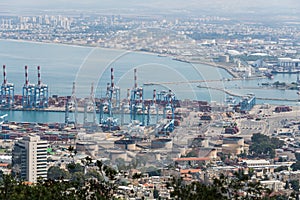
<point x="44" y="42"/>
<point x="212" y="64"/>
<point x="185" y="59"/>
<point x="81" y="46"/>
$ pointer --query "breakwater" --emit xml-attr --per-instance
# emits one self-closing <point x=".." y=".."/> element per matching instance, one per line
<point x="239" y="95"/>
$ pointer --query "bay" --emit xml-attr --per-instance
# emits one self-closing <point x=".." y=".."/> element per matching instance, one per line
<point x="61" y="65"/>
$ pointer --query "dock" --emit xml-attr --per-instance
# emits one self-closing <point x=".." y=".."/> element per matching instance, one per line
<point x="239" y="95"/>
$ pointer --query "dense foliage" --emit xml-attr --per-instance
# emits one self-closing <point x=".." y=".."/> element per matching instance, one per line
<point x="87" y="180"/>
<point x="263" y="146"/>
<point x="296" y="166"/>
<point x="238" y="186"/>
<point x="59" y="190"/>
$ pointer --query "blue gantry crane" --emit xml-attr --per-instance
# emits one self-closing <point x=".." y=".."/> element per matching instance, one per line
<point x="28" y="92"/>
<point x="109" y="104"/>
<point x="137" y="106"/>
<point x="41" y="93"/>
<point x="7" y="92"/>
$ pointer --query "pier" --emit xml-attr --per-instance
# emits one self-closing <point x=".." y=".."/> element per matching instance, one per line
<point x="200" y="81"/>
<point x="239" y="95"/>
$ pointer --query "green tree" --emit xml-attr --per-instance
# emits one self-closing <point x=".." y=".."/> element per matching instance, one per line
<point x="264" y="146"/>
<point x="136" y="176"/>
<point x="75" y="167"/>
<point x="195" y="190"/>
<point x="223" y="187"/>
<point x="297" y="155"/>
<point x="55" y="173"/>
<point x="78" y="178"/>
<point x="59" y="190"/>
<point x="295" y="185"/>
<point x="287" y="185"/>
<point x="93" y="174"/>
<point x="281" y="168"/>
<point x="155" y="193"/>
<point x="296" y="166"/>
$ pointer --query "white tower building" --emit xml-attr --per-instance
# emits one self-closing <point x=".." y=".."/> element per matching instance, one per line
<point x="29" y="158"/>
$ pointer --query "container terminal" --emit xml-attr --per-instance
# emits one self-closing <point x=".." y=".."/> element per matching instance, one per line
<point x="161" y="131"/>
<point x="162" y="123"/>
<point x="162" y="113"/>
<point x="162" y="105"/>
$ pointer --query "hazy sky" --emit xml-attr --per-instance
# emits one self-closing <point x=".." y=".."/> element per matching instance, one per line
<point x="155" y="3"/>
<point x="216" y="6"/>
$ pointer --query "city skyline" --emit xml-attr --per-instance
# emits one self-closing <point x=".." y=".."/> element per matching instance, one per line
<point x="160" y="100"/>
<point x="178" y="7"/>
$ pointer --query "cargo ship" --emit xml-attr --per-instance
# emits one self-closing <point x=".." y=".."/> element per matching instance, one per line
<point x="282" y="71"/>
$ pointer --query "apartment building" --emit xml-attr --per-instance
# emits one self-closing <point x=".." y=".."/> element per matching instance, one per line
<point x="29" y="158"/>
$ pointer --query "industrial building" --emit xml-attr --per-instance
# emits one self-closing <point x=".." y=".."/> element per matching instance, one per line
<point x="247" y="102"/>
<point x="288" y="62"/>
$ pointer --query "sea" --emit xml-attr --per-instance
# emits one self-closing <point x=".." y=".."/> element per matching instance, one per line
<point x="61" y="65"/>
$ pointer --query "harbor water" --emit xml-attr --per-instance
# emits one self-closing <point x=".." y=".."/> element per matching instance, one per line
<point x="61" y="65"/>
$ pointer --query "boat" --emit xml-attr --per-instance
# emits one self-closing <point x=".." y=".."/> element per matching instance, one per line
<point x="149" y="84"/>
<point x="161" y="55"/>
<point x="269" y="75"/>
<point x="282" y="71"/>
<point x="265" y="84"/>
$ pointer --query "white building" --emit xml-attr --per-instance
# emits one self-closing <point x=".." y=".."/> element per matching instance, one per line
<point x="288" y="62"/>
<point x="29" y="159"/>
<point x="256" y="163"/>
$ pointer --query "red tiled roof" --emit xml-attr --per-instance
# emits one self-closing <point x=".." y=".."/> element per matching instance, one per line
<point x="3" y="164"/>
<point x="187" y="171"/>
<point x="27" y="183"/>
<point x="149" y="185"/>
<point x="187" y="179"/>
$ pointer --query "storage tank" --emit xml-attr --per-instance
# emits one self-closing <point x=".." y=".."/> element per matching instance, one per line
<point x="233" y="145"/>
<point x="125" y="144"/>
<point x="233" y="140"/>
<point x="232" y="149"/>
<point x="115" y="154"/>
<point x="162" y="143"/>
<point x="87" y="147"/>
